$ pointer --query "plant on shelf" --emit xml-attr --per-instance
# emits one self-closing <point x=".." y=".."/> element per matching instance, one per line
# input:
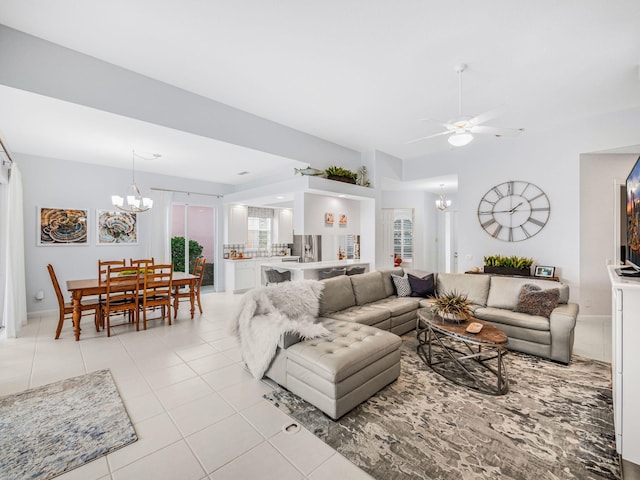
<point x="513" y="265"/>
<point x="341" y="174"/>
<point x="452" y="306"/>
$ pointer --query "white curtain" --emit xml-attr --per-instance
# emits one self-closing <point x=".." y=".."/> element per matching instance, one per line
<point x="160" y="232"/>
<point x="13" y="296"/>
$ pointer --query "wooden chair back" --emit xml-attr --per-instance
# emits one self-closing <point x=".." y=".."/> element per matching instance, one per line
<point x="184" y="293"/>
<point x="156" y="290"/>
<point x="123" y="289"/>
<point x="141" y="262"/>
<point x="104" y="264"/>
<point x="65" y="309"/>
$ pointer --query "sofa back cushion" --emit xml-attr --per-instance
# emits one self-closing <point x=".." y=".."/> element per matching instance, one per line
<point x="389" y="286"/>
<point x="504" y="291"/>
<point x="476" y="287"/>
<point x="337" y="294"/>
<point x="368" y="287"/>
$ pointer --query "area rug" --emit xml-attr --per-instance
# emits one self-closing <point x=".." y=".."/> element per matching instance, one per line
<point x="555" y="423"/>
<point x="49" y="430"/>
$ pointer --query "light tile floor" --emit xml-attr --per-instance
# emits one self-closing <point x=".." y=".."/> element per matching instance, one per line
<point x="198" y="412"/>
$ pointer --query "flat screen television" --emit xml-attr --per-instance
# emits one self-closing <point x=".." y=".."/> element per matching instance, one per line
<point x="633" y="222"/>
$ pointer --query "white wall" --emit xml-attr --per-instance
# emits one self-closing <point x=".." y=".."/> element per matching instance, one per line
<point x="550" y="160"/>
<point x="600" y="175"/>
<point x="64" y="184"/>
<point x="315" y="208"/>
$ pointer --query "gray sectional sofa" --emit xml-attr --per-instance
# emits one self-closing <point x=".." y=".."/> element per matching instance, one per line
<point x="366" y="316"/>
<point x="370" y="299"/>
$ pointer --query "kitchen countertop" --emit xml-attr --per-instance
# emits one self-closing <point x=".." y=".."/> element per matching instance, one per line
<point x="315" y="265"/>
<point x="263" y="259"/>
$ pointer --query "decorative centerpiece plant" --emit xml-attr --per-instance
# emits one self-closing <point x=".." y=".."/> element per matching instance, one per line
<point x="341" y="174"/>
<point x="452" y="306"/>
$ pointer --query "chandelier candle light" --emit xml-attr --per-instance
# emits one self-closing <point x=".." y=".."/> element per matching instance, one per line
<point x="441" y="203"/>
<point x="135" y="201"/>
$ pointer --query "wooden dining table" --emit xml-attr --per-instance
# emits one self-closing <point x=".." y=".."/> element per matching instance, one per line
<point x="95" y="286"/>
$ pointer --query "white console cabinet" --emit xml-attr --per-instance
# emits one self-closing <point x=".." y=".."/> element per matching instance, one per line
<point x="626" y="364"/>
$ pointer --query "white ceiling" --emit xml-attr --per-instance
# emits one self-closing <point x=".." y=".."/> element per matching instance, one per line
<point x="360" y="73"/>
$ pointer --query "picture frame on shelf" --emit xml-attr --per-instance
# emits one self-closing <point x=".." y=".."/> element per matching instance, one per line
<point x="544" y="271"/>
<point x="62" y="226"/>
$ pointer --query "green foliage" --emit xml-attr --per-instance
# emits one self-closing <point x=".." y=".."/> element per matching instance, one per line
<point x="341" y="172"/>
<point x="453" y="302"/>
<point x="513" y="261"/>
<point x="177" y="253"/>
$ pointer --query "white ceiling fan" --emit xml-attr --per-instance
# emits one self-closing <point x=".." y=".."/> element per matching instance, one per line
<point x="462" y="128"/>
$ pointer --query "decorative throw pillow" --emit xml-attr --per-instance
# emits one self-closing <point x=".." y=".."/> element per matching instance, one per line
<point x="422" y="287"/>
<point x="536" y="301"/>
<point x="403" y="289"/>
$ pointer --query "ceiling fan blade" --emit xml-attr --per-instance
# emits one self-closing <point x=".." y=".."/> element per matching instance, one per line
<point x="497" y="131"/>
<point x="447" y="132"/>
<point x="483" y="117"/>
<point x="446" y="125"/>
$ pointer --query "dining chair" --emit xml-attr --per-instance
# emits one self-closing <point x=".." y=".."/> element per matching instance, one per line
<point x="121" y="297"/>
<point x="141" y="262"/>
<point x="156" y="291"/>
<point x="66" y="308"/>
<point x="185" y="292"/>
<point x="104" y="264"/>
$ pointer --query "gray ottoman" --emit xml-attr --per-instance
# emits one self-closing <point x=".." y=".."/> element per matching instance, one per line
<point x="338" y="373"/>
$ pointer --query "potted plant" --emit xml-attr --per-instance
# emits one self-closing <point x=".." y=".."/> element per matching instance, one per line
<point x="513" y="265"/>
<point x="452" y="306"/>
<point x="341" y="174"/>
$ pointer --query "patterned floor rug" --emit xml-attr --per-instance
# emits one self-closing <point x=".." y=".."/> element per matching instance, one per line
<point x="49" y="430"/>
<point x="555" y="423"/>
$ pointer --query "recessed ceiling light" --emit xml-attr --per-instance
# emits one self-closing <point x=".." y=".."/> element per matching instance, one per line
<point x="280" y="197"/>
<point x="342" y="195"/>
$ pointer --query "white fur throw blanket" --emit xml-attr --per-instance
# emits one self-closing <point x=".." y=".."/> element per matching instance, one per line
<point x="267" y="313"/>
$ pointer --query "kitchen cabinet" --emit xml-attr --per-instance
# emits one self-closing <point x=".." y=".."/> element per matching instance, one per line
<point x="284" y="231"/>
<point x="237" y="224"/>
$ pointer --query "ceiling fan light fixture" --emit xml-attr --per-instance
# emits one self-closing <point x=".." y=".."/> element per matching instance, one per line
<point x="460" y="139"/>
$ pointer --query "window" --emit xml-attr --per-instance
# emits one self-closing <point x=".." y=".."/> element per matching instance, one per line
<point x="403" y="234"/>
<point x="259" y="225"/>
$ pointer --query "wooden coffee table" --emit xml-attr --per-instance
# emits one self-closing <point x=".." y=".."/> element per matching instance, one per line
<point x="473" y="360"/>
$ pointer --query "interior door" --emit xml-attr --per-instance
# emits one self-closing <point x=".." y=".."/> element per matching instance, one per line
<point x="387" y="237"/>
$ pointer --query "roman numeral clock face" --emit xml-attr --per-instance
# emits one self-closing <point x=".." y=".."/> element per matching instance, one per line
<point x="514" y="211"/>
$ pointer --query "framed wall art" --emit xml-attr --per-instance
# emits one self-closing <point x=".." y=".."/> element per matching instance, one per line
<point x="116" y="228"/>
<point x="62" y="226"/>
<point x="342" y="220"/>
<point x="328" y="218"/>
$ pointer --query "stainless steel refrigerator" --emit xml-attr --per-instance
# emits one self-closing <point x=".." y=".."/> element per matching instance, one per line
<point x="307" y="247"/>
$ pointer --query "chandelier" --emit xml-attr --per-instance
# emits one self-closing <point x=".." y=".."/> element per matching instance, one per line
<point x="135" y="201"/>
<point x="441" y="203"/>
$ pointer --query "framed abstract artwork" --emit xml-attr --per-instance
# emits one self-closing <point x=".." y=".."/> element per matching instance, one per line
<point x="328" y="218"/>
<point x="116" y="228"/>
<point x="62" y="226"/>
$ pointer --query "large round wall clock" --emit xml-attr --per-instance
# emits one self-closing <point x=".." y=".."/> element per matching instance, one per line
<point x="514" y="211"/>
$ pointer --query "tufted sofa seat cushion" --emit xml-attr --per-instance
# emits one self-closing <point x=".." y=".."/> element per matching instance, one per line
<point x="352" y="347"/>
